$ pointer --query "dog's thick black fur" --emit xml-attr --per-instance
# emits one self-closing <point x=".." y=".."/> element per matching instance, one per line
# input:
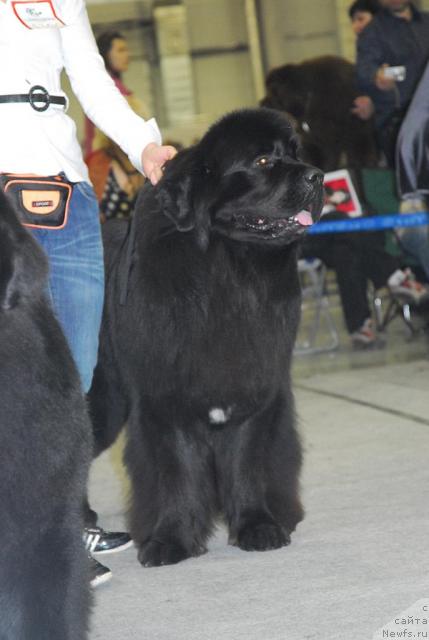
<point x="198" y="360"/>
<point x="46" y="445"/>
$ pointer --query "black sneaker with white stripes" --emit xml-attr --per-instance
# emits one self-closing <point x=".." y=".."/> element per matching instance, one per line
<point x="101" y="541"/>
<point x="97" y="571"/>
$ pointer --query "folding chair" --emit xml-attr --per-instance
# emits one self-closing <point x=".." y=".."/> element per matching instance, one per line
<point x="316" y="317"/>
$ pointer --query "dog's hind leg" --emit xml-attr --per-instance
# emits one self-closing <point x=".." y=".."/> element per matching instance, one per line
<point x="258" y="467"/>
<point x="173" y="498"/>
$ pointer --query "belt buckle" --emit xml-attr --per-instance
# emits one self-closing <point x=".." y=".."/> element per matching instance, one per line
<point x="34" y="96"/>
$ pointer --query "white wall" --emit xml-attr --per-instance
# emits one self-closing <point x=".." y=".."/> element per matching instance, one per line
<point x="223" y="78"/>
<point x="294" y="30"/>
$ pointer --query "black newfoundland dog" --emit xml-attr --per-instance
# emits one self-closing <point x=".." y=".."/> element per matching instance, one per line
<point x="45" y="444"/>
<point x="319" y="94"/>
<point x="197" y="361"/>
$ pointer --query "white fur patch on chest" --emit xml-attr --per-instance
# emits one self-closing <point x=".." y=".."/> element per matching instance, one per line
<point x="217" y="415"/>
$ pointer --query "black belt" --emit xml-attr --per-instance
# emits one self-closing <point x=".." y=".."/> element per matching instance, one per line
<point x="36" y="94"/>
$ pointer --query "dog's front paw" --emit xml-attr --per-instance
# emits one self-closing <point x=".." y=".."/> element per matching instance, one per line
<point x="156" y="553"/>
<point x="262" y="537"/>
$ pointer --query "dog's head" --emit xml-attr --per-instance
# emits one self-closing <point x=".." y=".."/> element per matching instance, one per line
<point x="23" y="266"/>
<point x="243" y="180"/>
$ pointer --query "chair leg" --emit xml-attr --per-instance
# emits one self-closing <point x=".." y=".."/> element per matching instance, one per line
<point x="378" y="313"/>
<point x="394" y="308"/>
<point x="315" y="291"/>
<point x="406" y="316"/>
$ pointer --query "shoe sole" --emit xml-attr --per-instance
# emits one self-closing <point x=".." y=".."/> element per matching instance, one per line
<point x="121" y="547"/>
<point x="99" y="580"/>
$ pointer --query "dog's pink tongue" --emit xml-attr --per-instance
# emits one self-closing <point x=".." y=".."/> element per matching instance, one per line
<point x="304" y="218"/>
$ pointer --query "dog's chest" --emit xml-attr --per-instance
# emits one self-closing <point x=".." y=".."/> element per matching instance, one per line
<point x="225" y="357"/>
<point x="217" y="333"/>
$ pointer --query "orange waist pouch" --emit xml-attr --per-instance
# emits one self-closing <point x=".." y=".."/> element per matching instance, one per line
<point x="40" y="202"/>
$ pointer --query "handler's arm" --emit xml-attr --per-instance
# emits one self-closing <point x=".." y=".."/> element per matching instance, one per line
<point x="101" y="100"/>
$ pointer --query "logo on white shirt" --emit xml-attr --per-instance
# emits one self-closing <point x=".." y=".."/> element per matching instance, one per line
<point x="39" y="14"/>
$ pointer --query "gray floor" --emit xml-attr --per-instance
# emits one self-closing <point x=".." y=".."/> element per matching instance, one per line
<point x="358" y="559"/>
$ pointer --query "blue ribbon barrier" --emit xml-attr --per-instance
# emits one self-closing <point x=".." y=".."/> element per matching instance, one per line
<point x="372" y="223"/>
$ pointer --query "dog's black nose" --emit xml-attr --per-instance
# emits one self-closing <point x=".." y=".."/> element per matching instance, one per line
<point x="313" y="175"/>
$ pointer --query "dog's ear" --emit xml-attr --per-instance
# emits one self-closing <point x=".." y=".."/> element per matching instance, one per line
<point x="23" y="266"/>
<point x="174" y="196"/>
<point x="179" y="194"/>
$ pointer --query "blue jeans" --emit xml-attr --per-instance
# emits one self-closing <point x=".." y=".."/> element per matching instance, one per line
<point x="76" y="281"/>
<point x="415" y="241"/>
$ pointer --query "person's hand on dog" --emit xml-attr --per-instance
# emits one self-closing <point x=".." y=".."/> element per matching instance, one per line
<point x="154" y="158"/>
<point x="363" y="107"/>
<point x="383" y="82"/>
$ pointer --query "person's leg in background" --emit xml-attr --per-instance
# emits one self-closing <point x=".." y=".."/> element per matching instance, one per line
<point x="377" y="263"/>
<point x="384" y="269"/>
<point x="76" y="290"/>
<point x="412" y="172"/>
<point x="412" y="151"/>
<point x="337" y="253"/>
<point x="415" y="241"/>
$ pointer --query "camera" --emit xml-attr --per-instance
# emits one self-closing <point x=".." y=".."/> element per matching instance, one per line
<point x="395" y="73"/>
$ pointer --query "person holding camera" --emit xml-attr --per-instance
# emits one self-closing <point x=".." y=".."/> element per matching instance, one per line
<point x="392" y="52"/>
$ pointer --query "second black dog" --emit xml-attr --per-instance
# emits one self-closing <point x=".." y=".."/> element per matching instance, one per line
<point x="198" y="360"/>
<point x="46" y="446"/>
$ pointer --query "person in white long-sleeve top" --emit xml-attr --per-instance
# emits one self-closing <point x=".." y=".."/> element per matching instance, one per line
<point x="38" y="40"/>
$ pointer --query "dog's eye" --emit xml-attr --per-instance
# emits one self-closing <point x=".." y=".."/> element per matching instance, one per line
<point x="263" y="162"/>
